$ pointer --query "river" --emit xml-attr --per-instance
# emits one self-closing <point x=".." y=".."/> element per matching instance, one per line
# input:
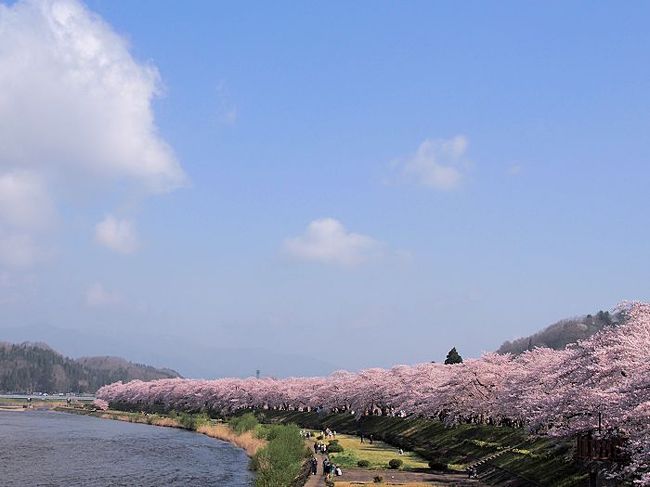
<point x="47" y="448"/>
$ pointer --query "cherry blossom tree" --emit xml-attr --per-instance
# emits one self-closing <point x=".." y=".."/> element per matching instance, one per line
<point x="599" y="385"/>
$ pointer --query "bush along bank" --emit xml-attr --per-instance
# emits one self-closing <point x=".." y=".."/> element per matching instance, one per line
<point x="248" y="439"/>
<point x="281" y="463"/>
<point x="510" y="452"/>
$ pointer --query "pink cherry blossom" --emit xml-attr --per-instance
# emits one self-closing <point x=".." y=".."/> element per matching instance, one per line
<point x="601" y="381"/>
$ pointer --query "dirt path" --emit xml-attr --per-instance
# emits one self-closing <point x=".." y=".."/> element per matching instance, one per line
<point x="317" y="480"/>
<point x="363" y="475"/>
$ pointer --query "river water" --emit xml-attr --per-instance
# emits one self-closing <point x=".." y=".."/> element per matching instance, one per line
<point x="46" y="448"/>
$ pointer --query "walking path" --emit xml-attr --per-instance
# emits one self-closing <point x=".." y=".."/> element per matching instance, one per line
<point x="317" y="480"/>
<point x="448" y="479"/>
<point x="365" y="475"/>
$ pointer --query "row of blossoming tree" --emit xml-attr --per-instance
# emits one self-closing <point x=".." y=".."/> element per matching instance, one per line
<point x="556" y="392"/>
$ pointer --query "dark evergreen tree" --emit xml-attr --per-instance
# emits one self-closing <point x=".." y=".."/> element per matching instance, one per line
<point x="28" y="368"/>
<point x="453" y="357"/>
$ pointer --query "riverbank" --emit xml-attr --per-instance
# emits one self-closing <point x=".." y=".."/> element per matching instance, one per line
<point x="247" y="440"/>
<point x="25" y="403"/>
<point x="12" y="408"/>
<point x="277" y="452"/>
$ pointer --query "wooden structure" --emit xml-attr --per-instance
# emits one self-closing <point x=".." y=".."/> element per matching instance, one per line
<point x="601" y="449"/>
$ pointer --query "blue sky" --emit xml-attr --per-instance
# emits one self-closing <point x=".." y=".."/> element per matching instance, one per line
<point x="284" y="115"/>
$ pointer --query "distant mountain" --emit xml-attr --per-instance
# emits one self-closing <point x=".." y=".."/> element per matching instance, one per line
<point x="560" y="334"/>
<point x="117" y="368"/>
<point x="35" y="367"/>
<point x="188" y="354"/>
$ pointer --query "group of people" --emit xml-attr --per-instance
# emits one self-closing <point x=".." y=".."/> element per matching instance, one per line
<point x="330" y="469"/>
<point x="328" y="433"/>
<point x="320" y="447"/>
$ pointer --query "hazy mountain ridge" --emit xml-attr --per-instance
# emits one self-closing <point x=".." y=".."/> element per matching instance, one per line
<point x="35" y="367"/>
<point x="560" y="334"/>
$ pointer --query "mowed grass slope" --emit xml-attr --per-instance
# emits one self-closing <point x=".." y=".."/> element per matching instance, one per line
<point x="378" y="454"/>
<point x="542" y="460"/>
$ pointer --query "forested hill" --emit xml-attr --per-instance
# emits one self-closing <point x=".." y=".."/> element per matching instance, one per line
<point x="35" y="367"/>
<point x="560" y="334"/>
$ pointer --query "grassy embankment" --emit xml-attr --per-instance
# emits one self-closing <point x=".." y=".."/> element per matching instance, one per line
<point x="377" y="455"/>
<point x="541" y="460"/>
<point x="281" y="461"/>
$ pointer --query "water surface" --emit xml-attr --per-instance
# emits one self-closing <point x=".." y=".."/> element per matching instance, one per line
<point x="46" y="448"/>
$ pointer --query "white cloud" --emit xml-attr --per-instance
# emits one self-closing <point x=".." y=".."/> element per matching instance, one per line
<point x="24" y="201"/>
<point x="327" y="240"/>
<point x="438" y="163"/>
<point x="98" y="296"/>
<point x="72" y="96"/>
<point x="75" y="110"/>
<point x="117" y="235"/>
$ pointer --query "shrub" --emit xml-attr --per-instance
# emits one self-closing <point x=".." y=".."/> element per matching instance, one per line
<point x="242" y="424"/>
<point x="329" y="483"/>
<point x="437" y="465"/>
<point x="378" y="479"/>
<point x="363" y="463"/>
<point x="395" y="463"/>
<point x="187" y="421"/>
<point x="319" y="437"/>
<point x="334" y="447"/>
<point x="279" y="462"/>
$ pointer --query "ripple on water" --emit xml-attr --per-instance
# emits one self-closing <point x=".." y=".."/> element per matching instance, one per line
<point x="45" y="448"/>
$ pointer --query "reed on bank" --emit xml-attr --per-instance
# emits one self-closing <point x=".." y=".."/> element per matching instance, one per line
<point x="246" y="440"/>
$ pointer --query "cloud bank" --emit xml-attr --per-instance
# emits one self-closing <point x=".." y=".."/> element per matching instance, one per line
<point x="327" y="240"/>
<point x="75" y="109"/>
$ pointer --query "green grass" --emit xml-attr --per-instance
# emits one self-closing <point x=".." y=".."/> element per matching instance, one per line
<point x="378" y="454"/>
<point x="543" y="460"/>
<point x="280" y="461"/>
<point x="243" y="423"/>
